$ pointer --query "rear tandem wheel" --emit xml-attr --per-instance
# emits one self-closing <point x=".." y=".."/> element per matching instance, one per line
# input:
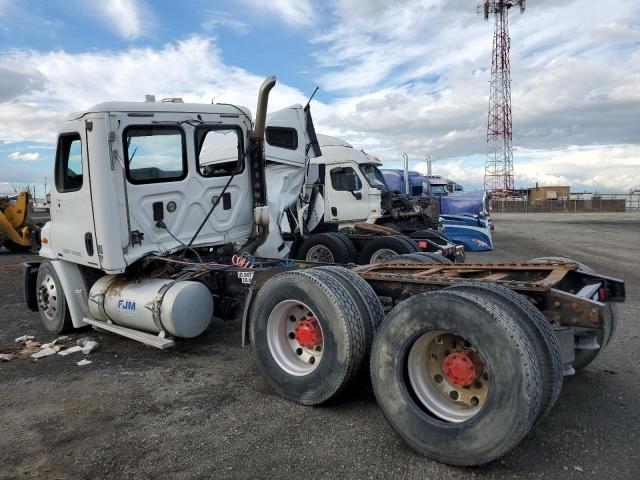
<point x="456" y="377"/>
<point x="309" y="335"/>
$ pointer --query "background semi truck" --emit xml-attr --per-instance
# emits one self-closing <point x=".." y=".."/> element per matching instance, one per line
<point x="331" y="203"/>
<point x="146" y="241"/>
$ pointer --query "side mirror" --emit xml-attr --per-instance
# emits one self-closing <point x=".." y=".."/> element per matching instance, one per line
<point x="358" y="195"/>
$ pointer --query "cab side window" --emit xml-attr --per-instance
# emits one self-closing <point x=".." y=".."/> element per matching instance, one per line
<point x="345" y="179"/>
<point x="219" y="151"/>
<point x="69" y="163"/>
<point x="282" y="137"/>
<point x="155" y="154"/>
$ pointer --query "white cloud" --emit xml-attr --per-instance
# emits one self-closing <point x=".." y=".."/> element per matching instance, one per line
<point x="592" y="167"/>
<point x="218" y="19"/>
<point x="297" y="13"/>
<point x="192" y="69"/>
<point x="413" y="76"/>
<point x="410" y="75"/>
<point x="24" y="157"/>
<point x="129" y="18"/>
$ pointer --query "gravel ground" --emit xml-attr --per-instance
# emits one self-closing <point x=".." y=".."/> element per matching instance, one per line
<point x="203" y="411"/>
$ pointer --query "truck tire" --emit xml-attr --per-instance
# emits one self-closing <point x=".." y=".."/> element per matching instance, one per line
<point x="308" y="335"/>
<point x="325" y="248"/>
<point x="538" y="330"/>
<point x="581" y="266"/>
<point x="428" y="347"/>
<point x="436" y="258"/>
<point x="362" y="292"/>
<point x="52" y="303"/>
<point x="381" y="248"/>
<point x="610" y="324"/>
<point x="348" y="245"/>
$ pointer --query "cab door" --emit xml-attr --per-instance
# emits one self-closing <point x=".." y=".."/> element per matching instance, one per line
<point x="346" y="201"/>
<point x="174" y="172"/>
<point x="72" y="232"/>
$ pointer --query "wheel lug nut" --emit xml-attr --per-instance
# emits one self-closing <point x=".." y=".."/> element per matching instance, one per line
<point x="292" y="335"/>
<point x="299" y="351"/>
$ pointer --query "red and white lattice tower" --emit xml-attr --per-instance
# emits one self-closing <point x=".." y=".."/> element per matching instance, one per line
<point x="498" y="171"/>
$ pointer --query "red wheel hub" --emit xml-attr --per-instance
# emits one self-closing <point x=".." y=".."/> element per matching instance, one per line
<point x="460" y="369"/>
<point x="308" y="333"/>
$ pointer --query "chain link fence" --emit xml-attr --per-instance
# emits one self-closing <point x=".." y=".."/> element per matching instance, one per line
<point x="595" y="204"/>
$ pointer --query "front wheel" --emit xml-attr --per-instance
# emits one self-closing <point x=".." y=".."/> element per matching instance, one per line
<point x="52" y="305"/>
<point x="456" y="377"/>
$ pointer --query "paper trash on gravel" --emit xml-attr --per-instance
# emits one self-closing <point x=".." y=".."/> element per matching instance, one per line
<point x="24" y="338"/>
<point x="74" y="349"/>
<point x="83" y="362"/>
<point x="45" y="352"/>
<point x="6" y="357"/>
<point x="88" y="345"/>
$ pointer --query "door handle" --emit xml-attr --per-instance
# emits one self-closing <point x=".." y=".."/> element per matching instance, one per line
<point x="88" y="243"/>
<point x="334" y="211"/>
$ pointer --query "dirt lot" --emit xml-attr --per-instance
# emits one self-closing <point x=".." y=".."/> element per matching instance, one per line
<point x="203" y="411"/>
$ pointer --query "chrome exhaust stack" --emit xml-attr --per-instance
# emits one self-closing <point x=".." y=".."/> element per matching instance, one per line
<point x="405" y="157"/>
<point x="261" y="109"/>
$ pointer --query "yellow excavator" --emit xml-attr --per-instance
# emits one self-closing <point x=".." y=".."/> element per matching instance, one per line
<point x="16" y="234"/>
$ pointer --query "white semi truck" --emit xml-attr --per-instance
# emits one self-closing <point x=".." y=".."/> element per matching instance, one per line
<point x="157" y="212"/>
<point x="332" y="204"/>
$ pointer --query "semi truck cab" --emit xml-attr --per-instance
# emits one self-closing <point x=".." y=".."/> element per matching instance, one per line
<point x="134" y="178"/>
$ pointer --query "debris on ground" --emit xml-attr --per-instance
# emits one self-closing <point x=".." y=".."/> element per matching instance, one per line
<point x="45" y="352"/>
<point x="83" y="362"/>
<point x="63" y="345"/>
<point x="24" y="338"/>
<point x="88" y="345"/>
<point x="74" y="349"/>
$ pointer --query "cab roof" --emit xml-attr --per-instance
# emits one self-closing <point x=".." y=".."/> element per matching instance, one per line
<point x="162" y="107"/>
<point x="336" y="150"/>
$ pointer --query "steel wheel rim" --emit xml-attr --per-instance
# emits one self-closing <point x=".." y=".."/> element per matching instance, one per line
<point x="287" y="351"/>
<point x="434" y="388"/>
<point x="321" y="254"/>
<point x="48" y="297"/>
<point x="382" y="255"/>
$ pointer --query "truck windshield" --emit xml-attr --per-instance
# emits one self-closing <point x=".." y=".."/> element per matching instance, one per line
<point x="374" y="176"/>
<point x="439" y="189"/>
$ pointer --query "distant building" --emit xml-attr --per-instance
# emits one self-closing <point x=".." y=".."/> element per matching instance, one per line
<point x="536" y="194"/>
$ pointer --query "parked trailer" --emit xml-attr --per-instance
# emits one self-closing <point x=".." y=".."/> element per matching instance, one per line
<point x="464" y="358"/>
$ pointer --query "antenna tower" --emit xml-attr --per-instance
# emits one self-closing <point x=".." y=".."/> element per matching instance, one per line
<point x="498" y="170"/>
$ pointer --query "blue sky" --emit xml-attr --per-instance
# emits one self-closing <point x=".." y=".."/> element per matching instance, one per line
<point x="410" y="75"/>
